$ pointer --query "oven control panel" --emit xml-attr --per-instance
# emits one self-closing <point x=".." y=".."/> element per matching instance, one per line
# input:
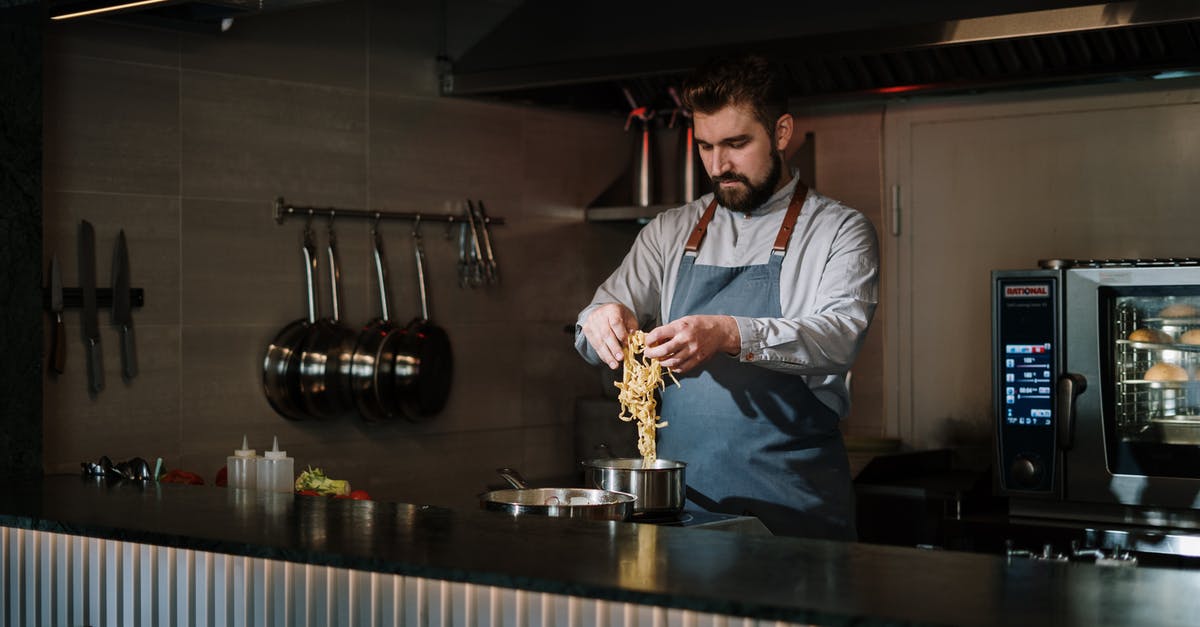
<point x="1025" y="347"/>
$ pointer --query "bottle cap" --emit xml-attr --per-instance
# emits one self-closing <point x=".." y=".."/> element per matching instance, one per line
<point x="275" y="453"/>
<point x="245" y="451"/>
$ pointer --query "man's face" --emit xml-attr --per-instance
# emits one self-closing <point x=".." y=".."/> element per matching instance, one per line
<point x="740" y="157"/>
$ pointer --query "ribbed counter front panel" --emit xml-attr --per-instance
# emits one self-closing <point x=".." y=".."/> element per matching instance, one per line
<point x="53" y="579"/>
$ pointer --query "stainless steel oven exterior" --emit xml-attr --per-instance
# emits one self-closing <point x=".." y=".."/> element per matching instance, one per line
<point x="1096" y="438"/>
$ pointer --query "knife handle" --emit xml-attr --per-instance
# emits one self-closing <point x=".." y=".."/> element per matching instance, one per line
<point x="58" y="348"/>
<point x="95" y="367"/>
<point x="128" y="355"/>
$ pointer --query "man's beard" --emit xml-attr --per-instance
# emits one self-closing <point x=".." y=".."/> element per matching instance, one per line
<point x="752" y="196"/>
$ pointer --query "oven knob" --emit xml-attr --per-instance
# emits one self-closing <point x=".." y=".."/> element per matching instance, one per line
<point x="1026" y="470"/>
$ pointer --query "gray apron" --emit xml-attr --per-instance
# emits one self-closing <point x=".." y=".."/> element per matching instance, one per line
<point x="756" y="441"/>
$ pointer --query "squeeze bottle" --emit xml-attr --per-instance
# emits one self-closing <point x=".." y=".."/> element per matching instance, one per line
<point x="241" y="467"/>
<point x="275" y="470"/>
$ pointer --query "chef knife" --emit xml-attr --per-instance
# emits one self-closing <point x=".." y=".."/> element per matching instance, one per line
<point x="122" y="311"/>
<point x="57" y="345"/>
<point x="87" y="287"/>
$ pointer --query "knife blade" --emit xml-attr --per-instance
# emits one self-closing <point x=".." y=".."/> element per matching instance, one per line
<point x="87" y="287"/>
<point x="57" y="345"/>
<point x="122" y="310"/>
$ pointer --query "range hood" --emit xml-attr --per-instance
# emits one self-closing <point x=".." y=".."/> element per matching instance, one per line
<point x="583" y="55"/>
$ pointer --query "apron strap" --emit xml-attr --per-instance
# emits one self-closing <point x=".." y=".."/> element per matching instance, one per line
<point x="785" y="229"/>
<point x="789" y="219"/>
<point x="693" y="243"/>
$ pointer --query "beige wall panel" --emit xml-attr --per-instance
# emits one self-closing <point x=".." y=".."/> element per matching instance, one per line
<point x="1097" y="172"/>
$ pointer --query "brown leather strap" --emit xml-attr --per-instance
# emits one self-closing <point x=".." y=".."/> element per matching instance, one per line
<point x="785" y="229"/>
<point x="693" y="243"/>
<point x="789" y="219"/>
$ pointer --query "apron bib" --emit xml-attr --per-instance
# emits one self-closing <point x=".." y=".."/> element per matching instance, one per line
<point x="756" y="441"/>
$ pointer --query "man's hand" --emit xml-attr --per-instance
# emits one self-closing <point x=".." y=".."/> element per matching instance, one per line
<point x="692" y="340"/>
<point x="606" y="329"/>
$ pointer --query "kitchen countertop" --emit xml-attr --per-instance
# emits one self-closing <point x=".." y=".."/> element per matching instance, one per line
<point x="691" y="568"/>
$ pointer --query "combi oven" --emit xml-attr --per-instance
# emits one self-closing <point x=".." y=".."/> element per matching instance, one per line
<point x="1095" y="390"/>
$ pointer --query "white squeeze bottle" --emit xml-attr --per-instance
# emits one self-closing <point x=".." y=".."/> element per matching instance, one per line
<point x="275" y="470"/>
<point x="241" y="467"/>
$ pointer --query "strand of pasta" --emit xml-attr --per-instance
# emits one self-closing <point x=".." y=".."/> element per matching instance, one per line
<point x="641" y="376"/>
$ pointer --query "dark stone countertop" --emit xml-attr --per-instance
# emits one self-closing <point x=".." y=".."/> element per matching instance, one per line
<point x="704" y="570"/>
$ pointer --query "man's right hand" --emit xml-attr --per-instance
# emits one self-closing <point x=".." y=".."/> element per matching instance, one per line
<point x="606" y="329"/>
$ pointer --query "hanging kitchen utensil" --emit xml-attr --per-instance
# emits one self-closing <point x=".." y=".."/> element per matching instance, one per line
<point x="326" y="360"/>
<point x="281" y="366"/>
<point x="578" y="503"/>
<point x="475" y="274"/>
<point x="425" y="368"/>
<point x="643" y="191"/>
<point x="491" y="273"/>
<point x="89" y="320"/>
<point x="464" y="270"/>
<point x="122" y="308"/>
<point x="687" y="157"/>
<point x="373" y="375"/>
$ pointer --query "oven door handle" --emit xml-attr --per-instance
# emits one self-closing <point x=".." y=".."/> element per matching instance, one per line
<point x="1070" y="386"/>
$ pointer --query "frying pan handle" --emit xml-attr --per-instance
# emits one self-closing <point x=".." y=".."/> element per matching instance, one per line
<point x="334" y="273"/>
<point x="419" y="253"/>
<point x="513" y="478"/>
<point x="310" y="272"/>
<point x="380" y="274"/>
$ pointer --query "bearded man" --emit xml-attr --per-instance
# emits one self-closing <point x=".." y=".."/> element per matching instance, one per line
<point x="758" y="297"/>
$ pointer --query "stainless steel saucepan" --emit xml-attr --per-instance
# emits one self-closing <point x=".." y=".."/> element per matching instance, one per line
<point x="580" y="503"/>
<point x="658" y="486"/>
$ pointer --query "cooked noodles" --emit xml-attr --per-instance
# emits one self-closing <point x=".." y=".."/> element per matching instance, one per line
<point x="637" y="387"/>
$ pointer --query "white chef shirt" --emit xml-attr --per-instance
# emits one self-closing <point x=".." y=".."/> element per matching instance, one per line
<point x="828" y="283"/>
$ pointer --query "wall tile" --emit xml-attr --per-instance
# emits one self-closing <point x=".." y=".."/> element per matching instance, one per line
<point x="241" y="267"/>
<point x="403" y="48"/>
<point x="321" y="45"/>
<point x="111" y="127"/>
<point x="116" y="42"/>
<point x="445" y="149"/>
<point x="139" y="418"/>
<point x="251" y="139"/>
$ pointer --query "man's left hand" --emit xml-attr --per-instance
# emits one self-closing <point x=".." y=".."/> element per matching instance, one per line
<point x="692" y="340"/>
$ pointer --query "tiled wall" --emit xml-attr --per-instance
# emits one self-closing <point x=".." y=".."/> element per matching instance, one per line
<point x="184" y="140"/>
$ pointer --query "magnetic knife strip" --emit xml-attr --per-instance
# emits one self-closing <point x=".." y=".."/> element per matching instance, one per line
<point x="73" y="297"/>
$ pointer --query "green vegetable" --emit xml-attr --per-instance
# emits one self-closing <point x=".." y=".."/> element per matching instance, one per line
<point x="314" y="479"/>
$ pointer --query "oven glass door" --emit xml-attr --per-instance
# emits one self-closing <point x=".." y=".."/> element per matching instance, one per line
<point x="1152" y="355"/>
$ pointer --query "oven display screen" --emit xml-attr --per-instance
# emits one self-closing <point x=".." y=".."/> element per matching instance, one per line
<point x="1028" y="370"/>
<point x="1025" y="347"/>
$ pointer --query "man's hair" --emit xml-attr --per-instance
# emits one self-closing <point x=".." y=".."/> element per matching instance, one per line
<point x="748" y="80"/>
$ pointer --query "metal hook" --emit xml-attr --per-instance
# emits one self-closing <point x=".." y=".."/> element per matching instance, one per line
<point x="308" y="230"/>
<point x="417" y="226"/>
<point x="375" y="223"/>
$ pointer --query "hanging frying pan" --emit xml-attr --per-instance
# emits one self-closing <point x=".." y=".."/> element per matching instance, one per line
<point x="372" y="374"/>
<point x="426" y="363"/>
<point x="326" y="359"/>
<point x="281" y="365"/>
